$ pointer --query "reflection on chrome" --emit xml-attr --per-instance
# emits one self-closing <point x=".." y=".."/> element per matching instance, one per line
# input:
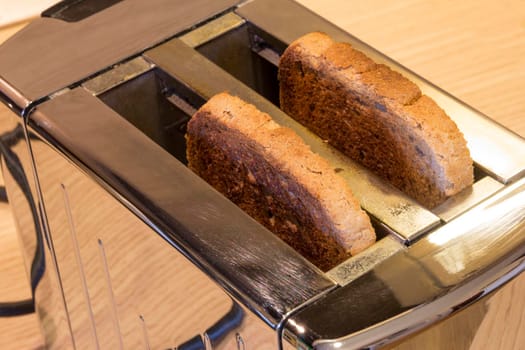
<point x="453" y="261"/>
<point x="300" y="329"/>
<point x="497" y="209"/>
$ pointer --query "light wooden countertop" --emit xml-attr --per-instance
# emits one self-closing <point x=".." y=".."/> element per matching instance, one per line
<point x="475" y="50"/>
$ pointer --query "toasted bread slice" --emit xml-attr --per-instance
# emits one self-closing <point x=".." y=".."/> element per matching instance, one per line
<point x="376" y="116"/>
<point x="270" y="173"/>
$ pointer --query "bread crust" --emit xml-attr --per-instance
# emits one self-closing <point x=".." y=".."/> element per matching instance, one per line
<point x="273" y="175"/>
<point x="375" y="116"/>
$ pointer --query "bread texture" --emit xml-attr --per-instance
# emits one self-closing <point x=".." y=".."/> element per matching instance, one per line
<point x="376" y="116"/>
<point x="271" y="174"/>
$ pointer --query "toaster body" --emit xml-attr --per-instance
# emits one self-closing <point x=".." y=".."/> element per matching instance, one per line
<point x="126" y="248"/>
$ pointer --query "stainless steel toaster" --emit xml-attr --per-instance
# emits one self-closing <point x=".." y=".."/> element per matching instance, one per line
<point x="127" y="248"/>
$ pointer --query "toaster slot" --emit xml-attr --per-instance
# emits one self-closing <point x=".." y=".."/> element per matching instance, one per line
<point x="251" y="55"/>
<point x="237" y="52"/>
<point x="160" y="107"/>
<point x="241" y="59"/>
<point x="191" y="70"/>
<point x="160" y="101"/>
<point x="149" y="103"/>
<point x="496" y="150"/>
<point x="165" y="106"/>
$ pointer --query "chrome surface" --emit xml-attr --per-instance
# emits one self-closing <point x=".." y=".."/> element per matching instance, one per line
<point x="125" y="286"/>
<point x="441" y="274"/>
<point x="465" y="200"/>
<point x="82" y="291"/>
<point x="360" y="264"/>
<point x="112" y="301"/>
<point x="239" y="254"/>
<point x="16" y="168"/>
<point x="389" y="209"/>
<point x="498" y="151"/>
<point x="12" y="98"/>
<point x="64" y="60"/>
<point x="212" y="29"/>
<point x="181" y="104"/>
<point x="117" y="75"/>
<point x="469" y="328"/>
<point x="269" y="55"/>
<point x="140" y="253"/>
<point x="24" y="200"/>
<point x="408" y="219"/>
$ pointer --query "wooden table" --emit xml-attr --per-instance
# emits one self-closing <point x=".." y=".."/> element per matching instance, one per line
<point x="473" y="49"/>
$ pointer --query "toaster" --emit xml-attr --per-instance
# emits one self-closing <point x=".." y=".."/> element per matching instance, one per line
<point x="126" y="248"/>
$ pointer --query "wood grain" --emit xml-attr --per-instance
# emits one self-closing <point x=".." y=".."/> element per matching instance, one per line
<point x="473" y="49"/>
